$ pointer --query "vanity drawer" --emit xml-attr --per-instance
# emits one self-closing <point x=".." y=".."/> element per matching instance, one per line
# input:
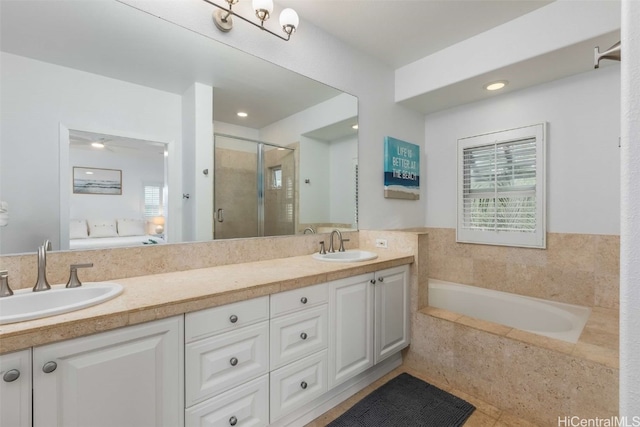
<point x="247" y="405"/>
<point x="297" y="384"/>
<point x="297" y="335"/>
<point x="298" y="299"/>
<point x="216" y="364"/>
<point x="204" y="323"/>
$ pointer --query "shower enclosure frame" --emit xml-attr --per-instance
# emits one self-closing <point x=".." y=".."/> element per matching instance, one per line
<point x="260" y="182"/>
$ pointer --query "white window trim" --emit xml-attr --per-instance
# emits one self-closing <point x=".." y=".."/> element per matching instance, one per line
<point x="535" y="239"/>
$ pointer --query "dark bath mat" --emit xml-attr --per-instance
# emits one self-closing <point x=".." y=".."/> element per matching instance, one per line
<point x="406" y="401"/>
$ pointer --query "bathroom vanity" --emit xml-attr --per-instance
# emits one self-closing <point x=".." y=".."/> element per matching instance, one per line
<point x="265" y="343"/>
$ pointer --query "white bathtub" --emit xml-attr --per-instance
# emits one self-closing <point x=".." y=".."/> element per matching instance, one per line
<point x="543" y="317"/>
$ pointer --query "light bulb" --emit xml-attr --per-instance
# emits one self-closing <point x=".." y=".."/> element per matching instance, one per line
<point x="263" y="9"/>
<point x="289" y="20"/>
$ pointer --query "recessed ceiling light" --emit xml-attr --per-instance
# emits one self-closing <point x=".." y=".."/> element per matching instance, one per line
<point x="355" y="126"/>
<point x="97" y="144"/>
<point x="496" y="85"/>
<point x="242" y="114"/>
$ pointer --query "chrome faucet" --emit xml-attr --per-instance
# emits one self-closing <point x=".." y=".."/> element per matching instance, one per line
<point x="42" y="284"/>
<point x="341" y="248"/>
<point x="5" y="289"/>
<point x="310" y="230"/>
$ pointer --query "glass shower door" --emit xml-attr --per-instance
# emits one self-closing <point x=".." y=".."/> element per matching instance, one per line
<point x="235" y="188"/>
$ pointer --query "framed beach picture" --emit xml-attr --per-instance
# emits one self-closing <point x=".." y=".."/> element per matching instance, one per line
<point x="401" y="169"/>
<point x="97" y="181"/>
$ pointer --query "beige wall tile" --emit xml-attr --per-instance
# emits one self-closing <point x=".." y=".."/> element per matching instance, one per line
<point x="607" y="291"/>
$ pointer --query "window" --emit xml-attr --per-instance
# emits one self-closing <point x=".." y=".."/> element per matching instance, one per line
<point x="276" y="177"/>
<point x="501" y="188"/>
<point x="152" y="200"/>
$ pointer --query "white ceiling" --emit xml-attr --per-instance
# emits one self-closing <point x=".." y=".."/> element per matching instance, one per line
<point x="398" y="32"/>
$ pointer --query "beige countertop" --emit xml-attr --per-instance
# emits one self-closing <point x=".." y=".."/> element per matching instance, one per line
<point x="158" y="296"/>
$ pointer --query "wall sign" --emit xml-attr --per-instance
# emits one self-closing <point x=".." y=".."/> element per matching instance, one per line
<point x="401" y="169"/>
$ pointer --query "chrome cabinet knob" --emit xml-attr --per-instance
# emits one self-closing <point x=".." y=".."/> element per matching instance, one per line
<point x="233" y="421"/>
<point x="372" y="281"/>
<point x="233" y="318"/>
<point x="303" y="385"/>
<point x="303" y="300"/>
<point x="49" y="367"/>
<point x="303" y="335"/>
<point x="233" y="361"/>
<point x="11" y="376"/>
<point x="380" y="279"/>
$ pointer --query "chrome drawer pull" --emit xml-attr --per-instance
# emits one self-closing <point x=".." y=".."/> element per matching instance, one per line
<point x="303" y="336"/>
<point x="233" y="318"/>
<point x="233" y="421"/>
<point x="11" y="376"/>
<point x="49" y="367"/>
<point x="233" y="361"/>
<point x="303" y="300"/>
<point x="303" y="384"/>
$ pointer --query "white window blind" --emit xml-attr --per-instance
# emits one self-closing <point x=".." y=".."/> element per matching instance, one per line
<point x="501" y="196"/>
<point x="152" y="200"/>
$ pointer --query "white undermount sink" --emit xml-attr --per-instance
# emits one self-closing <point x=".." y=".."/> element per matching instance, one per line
<point x="25" y="304"/>
<point x="350" y="255"/>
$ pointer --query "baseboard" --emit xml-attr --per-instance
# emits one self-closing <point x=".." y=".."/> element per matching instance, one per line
<point x="342" y="392"/>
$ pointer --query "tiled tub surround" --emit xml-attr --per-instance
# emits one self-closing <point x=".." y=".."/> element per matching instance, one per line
<point x="580" y="269"/>
<point x="534" y="377"/>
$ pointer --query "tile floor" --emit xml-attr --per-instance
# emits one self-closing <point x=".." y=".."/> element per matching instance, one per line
<point x="485" y="414"/>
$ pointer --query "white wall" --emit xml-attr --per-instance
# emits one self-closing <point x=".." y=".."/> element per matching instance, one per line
<point x="322" y="57"/>
<point x="583" y="158"/>
<point x="137" y="170"/>
<point x="197" y="156"/>
<point x="630" y="227"/>
<point x="36" y="99"/>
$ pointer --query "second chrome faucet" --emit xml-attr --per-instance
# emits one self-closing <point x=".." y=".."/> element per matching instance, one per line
<point x="340" y="239"/>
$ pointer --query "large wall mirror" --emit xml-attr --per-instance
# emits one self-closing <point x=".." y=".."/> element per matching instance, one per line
<point x="120" y="128"/>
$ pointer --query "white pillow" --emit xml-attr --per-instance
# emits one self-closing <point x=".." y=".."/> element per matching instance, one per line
<point x="131" y="227"/>
<point x="78" y="229"/>
<point x="102" y="228"/>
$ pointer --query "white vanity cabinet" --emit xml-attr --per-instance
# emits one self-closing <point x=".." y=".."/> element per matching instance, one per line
<point x="15" y="389"/>
<point x="392" y="316"/>
<point x="227" y="365"/>
<point x="131" y="376"/>
<point x="299" y="339"/>
<point x="368" y="321"/>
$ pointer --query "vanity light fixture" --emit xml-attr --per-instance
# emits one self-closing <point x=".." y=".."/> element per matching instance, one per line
<point x="496" y="85"/>
<point x="242" y="114"/>
<point x="89" y="173"/>
<point x="97" y="144"/>
<point x="263" y="8"/>
<point x="355" y="127"/>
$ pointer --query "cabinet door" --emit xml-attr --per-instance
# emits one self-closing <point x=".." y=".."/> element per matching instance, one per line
<point x="350" y="327"/>
<point x="127" y="377"/>
<point x="15" y="389"/>
<point x="392" y="312"/>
